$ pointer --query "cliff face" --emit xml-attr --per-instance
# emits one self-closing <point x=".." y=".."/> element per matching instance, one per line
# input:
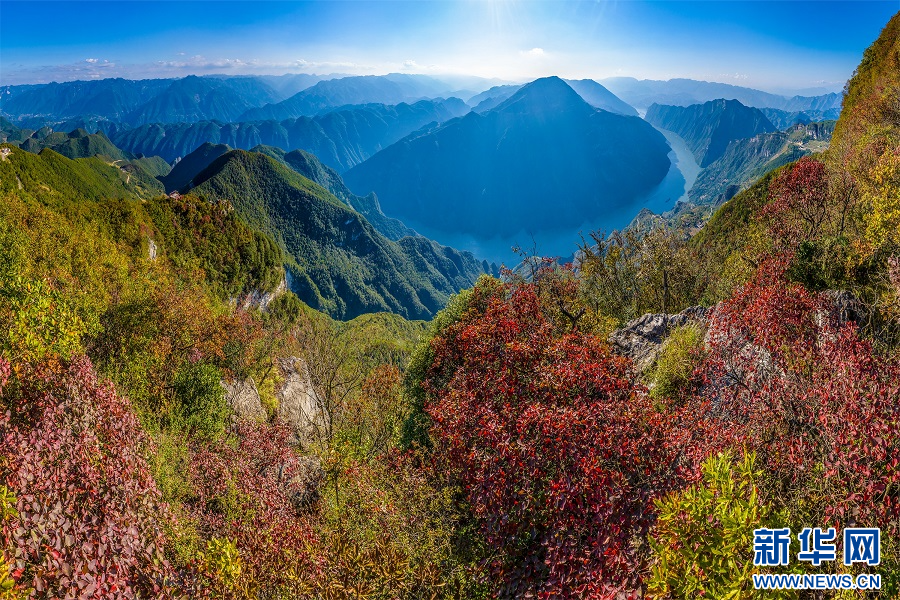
<point x="299" y="406"/>
<point x="709" y="128"/>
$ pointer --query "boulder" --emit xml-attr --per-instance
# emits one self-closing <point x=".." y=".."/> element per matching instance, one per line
<point x="641" y="339"/>
<point x="303" y="480"/>
<point x="299" y="405"/>
<point x="243" y="398"/>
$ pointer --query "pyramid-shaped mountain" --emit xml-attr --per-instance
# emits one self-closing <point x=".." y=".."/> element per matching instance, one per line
<point x="543" y="159"/>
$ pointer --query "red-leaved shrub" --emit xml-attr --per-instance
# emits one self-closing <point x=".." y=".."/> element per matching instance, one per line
<point x="88" y="511"/>
<point x="251" y="488"/>
<point x="559" y="453"/>
<point x="817" y="402"/>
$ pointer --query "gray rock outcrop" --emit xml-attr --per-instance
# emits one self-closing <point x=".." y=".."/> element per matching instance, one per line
<point x="302" y="480"/>
<point x="299" y="406"/>
<point x="243" y="398"/>
<point x="261" y="300"/>
<point x="641" y="339"/>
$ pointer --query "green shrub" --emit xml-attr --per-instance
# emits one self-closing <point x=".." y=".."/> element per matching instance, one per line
<point x="200" y="406"/>
<point x="703" y="542"/>
<point x="38" y="321"/>
<point x="8" y="589"/>
<point x="680" y="355"/>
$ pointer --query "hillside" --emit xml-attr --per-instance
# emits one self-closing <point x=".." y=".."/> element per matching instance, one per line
<point x="341" y="138"/>
<point x="709" y="128"/>
<point x="312" y="168"/>
<point x="499" y="172"/>
<point x="184" y="171"/>
<point x="743" y="162"/>
<point x="75" y="144"/>
<point x="339" y="263"/>
<point x="599" y="97"/>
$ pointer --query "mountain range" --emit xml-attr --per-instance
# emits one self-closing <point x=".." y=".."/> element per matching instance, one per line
<point x="783" y="119"/>
<point x="543" y="159"/>
<point x="685" y="92"/>
<point x="367" y="89"/>
<point x="708" y="128"/>
<point x="592" y="92"/>
<point x="254" y="98"/>
<point x="746" y="160"/>
<point x="209" y="98"/>
<point x="341" y="138"/>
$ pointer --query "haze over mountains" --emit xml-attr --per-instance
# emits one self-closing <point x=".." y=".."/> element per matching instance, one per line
<point x="641" y="93"/>
<point x="340" y="138"/>
<point x="421" y="154"/>
<point x="223" y="98"/>
<point x="543" y="159"/>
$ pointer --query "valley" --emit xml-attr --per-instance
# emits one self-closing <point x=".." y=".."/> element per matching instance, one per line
<point x="442" y="304"/>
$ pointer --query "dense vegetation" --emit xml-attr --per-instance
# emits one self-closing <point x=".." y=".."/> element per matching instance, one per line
<point x="338" y="262"/>
<point x="505" y="449"/>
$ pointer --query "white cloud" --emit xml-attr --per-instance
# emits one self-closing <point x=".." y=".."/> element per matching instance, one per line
<point x="91" y="60"/>
<point x="533" y="53"/>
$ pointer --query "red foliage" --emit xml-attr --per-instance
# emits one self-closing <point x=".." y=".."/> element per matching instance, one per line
<point x="89" y="512"/>
<point x="815" y="400"/>
<point x="559" y="454"/>
<point x="799" y="203"/>
<point x="248" y="487"/>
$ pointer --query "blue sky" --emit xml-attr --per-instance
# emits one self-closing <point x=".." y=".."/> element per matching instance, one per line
<point x="779" y="46"/>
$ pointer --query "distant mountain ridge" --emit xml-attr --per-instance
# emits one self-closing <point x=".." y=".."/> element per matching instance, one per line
<point x="209" y="98"/>
<point x="193" y="99"/>
<point x="709" y="127"/>
<point x="783" y="119"/>
<point x="544" y="158"/>
<point x="592" y="92"/>
<point x="367" y="89"/>
<point x="341" y="138"/>
<point x="685" y="92"/>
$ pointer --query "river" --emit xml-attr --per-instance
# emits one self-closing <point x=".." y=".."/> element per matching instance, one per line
<point x="673" y="187"/>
